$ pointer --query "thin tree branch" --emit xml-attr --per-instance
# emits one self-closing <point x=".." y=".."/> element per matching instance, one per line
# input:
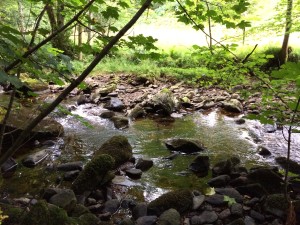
<point x="37" y="24"/>
<point x="74" y="84"/>
<point x="200" y="28"/>
<point x="49" y="38"/>
<point x="289" y="147"/>
<point x="247" y="57"/>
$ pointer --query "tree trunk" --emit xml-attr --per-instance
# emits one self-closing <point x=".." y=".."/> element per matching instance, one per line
<point x="80" y="40"/>
<point x="283" y="55"/>
<point x="21" y="16"/>
<point x="209" y="31"/>
<point x="89" y="32"/>
<point x="75" y="83"/>
<point x="56" y="19"/>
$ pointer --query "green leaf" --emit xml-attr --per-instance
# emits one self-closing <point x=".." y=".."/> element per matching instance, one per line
<point x="4" y="77"/>
<point x="229" y="200"/>
<point x="111" y="12"/>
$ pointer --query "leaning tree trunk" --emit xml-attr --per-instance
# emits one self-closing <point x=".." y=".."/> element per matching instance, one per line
<point x="283" y="55"/>
<point x="74" y="83"/>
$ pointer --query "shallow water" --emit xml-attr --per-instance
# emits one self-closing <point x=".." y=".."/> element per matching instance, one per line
<point x="221" y="136"/>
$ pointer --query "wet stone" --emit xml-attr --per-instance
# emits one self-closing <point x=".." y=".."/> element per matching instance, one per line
<point x="70" y="166"/>
<point x="111" y="206"/>
<point x="139" y="210"/>
<point x="71" y="175"/>
<point x="219" y="181"/>
<point x="231" y="192"/>
<point x="134" y="173"/>
<point x="35" y="158"/>
<point x="216" y="200"/>
<point x="236" y="210"/>
<point x="146" y="220"/>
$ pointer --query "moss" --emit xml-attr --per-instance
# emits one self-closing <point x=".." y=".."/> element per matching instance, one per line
<point x="88" y="219"/>
<point x="94" y="174"/>
<point x="276" y="201"/>
<point x="46" y="214"/>
<point x="79" y="210"/>
<point x="117" y="147"/>
<point x="15" y="214"/>
<point x="181" y="200"/>
<point x="38" y="215"/>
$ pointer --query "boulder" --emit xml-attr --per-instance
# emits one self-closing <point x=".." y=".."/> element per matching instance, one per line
<point x="184" y="145"/>
<point x="114" y="104"/>
<point x="233" y="105"/>
<point x="169" y="217"/>
<point x="216" y="200"/>
<point x="200" y="166"/>
<point x="95" y="173"/>
<point x="162" y="103"/>
<point x="117" y="147"/>
<point x="181" y="200"/>
<point x="120" y="122"/>
<point x="35" y="158"/>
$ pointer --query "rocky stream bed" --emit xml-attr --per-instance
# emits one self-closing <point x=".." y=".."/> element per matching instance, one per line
<point x="128" y="150"/>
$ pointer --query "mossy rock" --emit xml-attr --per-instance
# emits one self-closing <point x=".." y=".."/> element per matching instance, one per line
<point x="89" y="219"/>
<point x="46" y="214"/>
<point x="15" y="214"/>
<point x="181" y="200"/>
<point x="117" y="147"/>
<point x="79" y="210"/>
<point x="95" y="174"/>
<point x="277" y="205"/>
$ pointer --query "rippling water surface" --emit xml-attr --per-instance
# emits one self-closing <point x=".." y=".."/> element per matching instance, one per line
<point x="221" y="136"/>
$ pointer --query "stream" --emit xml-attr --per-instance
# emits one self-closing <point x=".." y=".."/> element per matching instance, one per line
<point x="220" y="134"/>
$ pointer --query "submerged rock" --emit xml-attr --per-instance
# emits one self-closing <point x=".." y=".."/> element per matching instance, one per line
<point x="117" y="147"/>
<point x="95" y="173"/>
<point x="184" y="145"/>
<point x="181" y="200"/>
<point x="225" y="166"/>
